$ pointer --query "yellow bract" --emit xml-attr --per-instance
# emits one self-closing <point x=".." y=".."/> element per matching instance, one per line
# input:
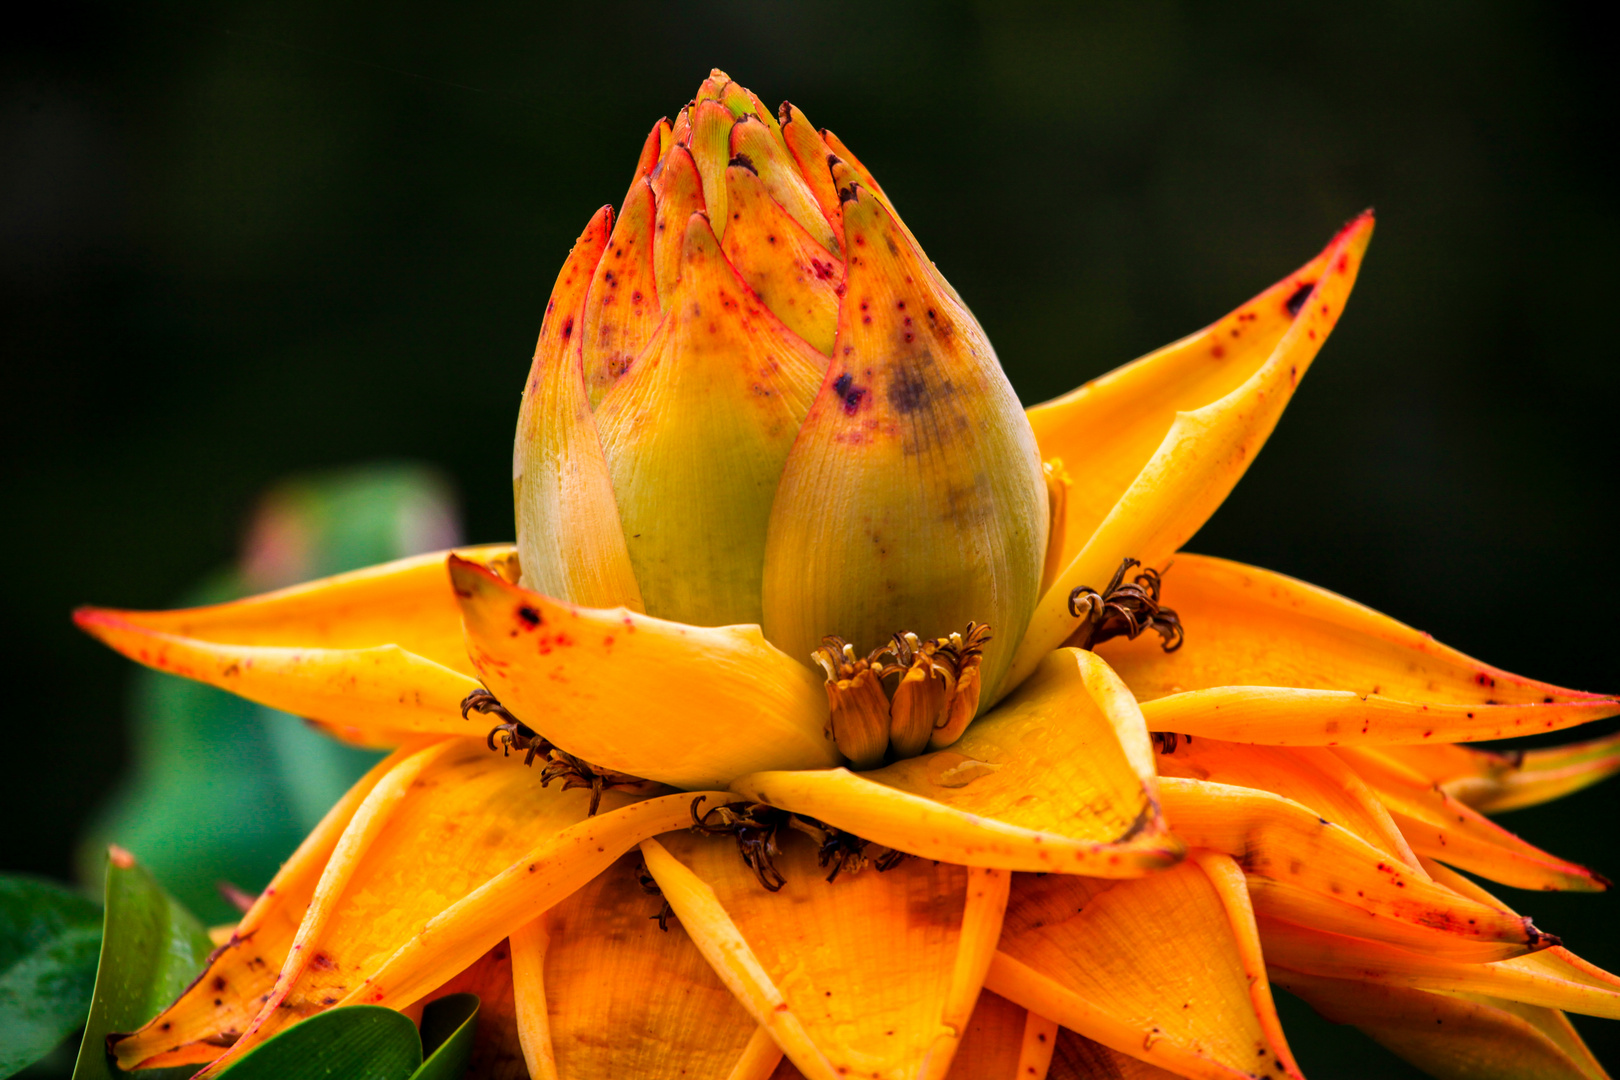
<point x="641" y="695"/>
<point x="874" y="978"/>
<point x="358" y="691"/>
<point x="1202" y="454"/>
<point x="600" y="964"/>
<point x="1266" y="629"/>
<point x="1059" y="778"/>
<point x="1454" y="1034"/>
<point x="1096" y="957"/>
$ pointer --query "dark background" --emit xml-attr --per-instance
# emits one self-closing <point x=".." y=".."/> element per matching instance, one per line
<point x="242" y="241"/>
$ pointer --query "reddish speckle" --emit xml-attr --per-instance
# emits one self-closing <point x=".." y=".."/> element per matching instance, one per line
<point x="852" y="395"/>
<point x="1297" y="300"/>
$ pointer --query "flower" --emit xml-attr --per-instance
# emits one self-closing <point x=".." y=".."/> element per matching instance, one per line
<point x="778" y="511"/>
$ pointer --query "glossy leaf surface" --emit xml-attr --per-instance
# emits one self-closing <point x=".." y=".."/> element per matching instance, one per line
<point x="49" y="940"/>
<point x="151" y="948"/>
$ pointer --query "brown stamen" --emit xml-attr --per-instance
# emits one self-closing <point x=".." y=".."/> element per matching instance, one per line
<point x="1124" y="610"/>
<point x="1165" y="742"/>
<point x="649" y="885"/>
<point x="758" y="830"/>
<point x="514" y="734"/>
<point x="933" y="700"/>
<point x="855" y="697"/>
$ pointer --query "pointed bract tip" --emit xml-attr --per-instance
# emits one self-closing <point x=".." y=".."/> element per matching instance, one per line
<point x="1539" y="939"/>
<point x="96" y="621"/>
<point x="698" y="241"/>
<point x="1359" y="228"/>
<point x="120" y="857"/>
<point x="467" y="577"/>
<point x="600" y="225"/>
<point x="846" y="180"/>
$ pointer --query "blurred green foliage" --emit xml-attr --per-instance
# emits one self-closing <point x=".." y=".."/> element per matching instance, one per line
<point x="221" y="789"/>
<point x="49" y="939"/>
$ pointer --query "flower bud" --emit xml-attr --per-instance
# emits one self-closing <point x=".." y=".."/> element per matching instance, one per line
<point x="914" y="498"/>
<point x="906" y="504"/>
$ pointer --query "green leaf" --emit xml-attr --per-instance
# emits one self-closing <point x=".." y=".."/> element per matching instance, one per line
<point x="49" y="938"/>
<point x="358" y="1042"/>
<point x="151" y="950"/>
<point x="449" y="1026"/>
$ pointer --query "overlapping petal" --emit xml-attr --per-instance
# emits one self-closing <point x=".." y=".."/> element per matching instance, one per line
<point x="1059" y="777"/>
<point x="912" y="499"/>
<point x="695" y="434"/>
<point x="383" y="691"/>
<point x="545" y="874"/>
<point x="1313" y="777"/>
<point x="215" y="1010"/>
<point x="1280" y="839"/>
<point x="871" y="975"/>
<point x="1283" y="716"/>
<point x="1557" y="961"/>
<point x="642" y="695"/>
<point x="1159" y="968"/>
<point x="1447" y="829"/>
<point x="789" y="269"/>
<point x="617" y="996"/>
<point x="758" y="141"/>
<point x="403" y="603"/>
<point x="1494" y="781"/>
<point x="437" y="827"/>
<point x="622" y="306"/>
<point x="1454" y="1036"/>
<point x="1204" y="450"/>
<point x="1316" y="952"/>
<point x="1260" y="628"/>
<point x="1078" y="1058"/>
<point x="1109" y="428"/>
